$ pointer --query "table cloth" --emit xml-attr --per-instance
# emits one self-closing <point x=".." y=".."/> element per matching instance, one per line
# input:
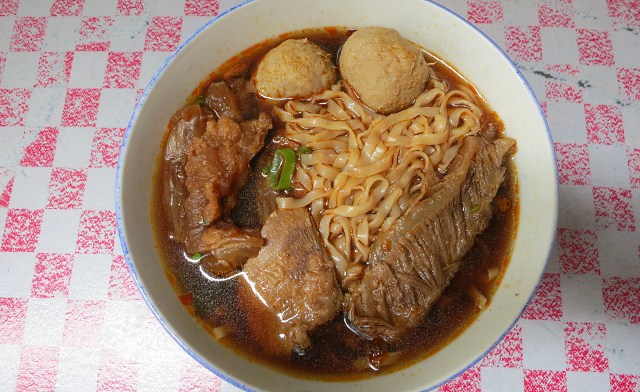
<point x="71" y="318"/>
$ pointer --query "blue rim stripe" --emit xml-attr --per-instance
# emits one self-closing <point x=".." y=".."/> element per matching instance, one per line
<point x="118" y="205"/>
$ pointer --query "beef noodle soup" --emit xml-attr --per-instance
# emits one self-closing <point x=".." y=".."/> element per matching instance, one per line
<point x="335" y="203"/>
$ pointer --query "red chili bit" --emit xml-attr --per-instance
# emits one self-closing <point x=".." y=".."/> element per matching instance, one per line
<point x="331" y="30"/>
<point x="186" y="299"/>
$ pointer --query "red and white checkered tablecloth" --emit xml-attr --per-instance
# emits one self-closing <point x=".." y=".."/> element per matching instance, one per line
<point x="71" y="318"/>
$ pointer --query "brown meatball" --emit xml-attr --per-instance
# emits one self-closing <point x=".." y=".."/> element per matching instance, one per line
<point x="385" y="70"/>
<point x="294" y="69"/>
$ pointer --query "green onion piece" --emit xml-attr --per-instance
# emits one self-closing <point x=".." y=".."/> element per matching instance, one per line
<point x="201" y="100"/>
<point x="304" y="150"/>
<point x="280" y="174"/>
<point x="475" y="208"/>
<point x="197" y="256"/>
<point x="289" y="166"/>
<point x="274" y="171"/>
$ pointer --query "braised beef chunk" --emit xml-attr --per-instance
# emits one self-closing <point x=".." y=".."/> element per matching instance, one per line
<point x="233" y="98"/>
<point x="490" y="126"/>
<point x="216" y="169"/>
<point x="221" y="99"/>
<point x="254" y="132"/>
<point x="228" y="246"/>
<point x="256" y="200"/>
<point x="214" y="164"/>
<point x="185" y="125"/>
<point x="206" y="164"/>
<point x="291" y="285"/>
<point x="246" y="98"/>
<point x="412" y="263"/>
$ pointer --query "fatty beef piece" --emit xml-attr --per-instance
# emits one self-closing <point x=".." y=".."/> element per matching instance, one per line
<point x="207" y="162"/>
<point x="290" y="287"/>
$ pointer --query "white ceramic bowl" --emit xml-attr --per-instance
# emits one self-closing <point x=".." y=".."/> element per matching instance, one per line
<point x="429" y="25"/>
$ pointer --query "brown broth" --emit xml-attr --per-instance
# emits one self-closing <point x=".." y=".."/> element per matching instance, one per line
<point x="336" y="352"/>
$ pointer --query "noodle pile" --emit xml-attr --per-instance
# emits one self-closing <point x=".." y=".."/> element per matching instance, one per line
<point x="365" y="169"/>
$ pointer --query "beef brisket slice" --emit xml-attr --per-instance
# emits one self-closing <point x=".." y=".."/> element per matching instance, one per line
<point x="413" y="262"/>
<point x="290" y="287"/>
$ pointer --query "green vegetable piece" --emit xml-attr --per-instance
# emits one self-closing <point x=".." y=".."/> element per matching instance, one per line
<point x="304" y="150"/>
<point x="475" y="208"/>
<point x="201" y="100"/>
<point x="283" y="165"/>
<point x="197" y="256"/>
<point x="288" y="168"/>
<point x="274" y="171"/>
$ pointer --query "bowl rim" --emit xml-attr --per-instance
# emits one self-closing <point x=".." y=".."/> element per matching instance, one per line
<point x="118" y="188"/>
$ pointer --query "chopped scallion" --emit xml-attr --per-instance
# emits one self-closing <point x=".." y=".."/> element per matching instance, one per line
<point x="274" y="170"/>
<point x="280" y="173"/>
<point x="304" y="150"/>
